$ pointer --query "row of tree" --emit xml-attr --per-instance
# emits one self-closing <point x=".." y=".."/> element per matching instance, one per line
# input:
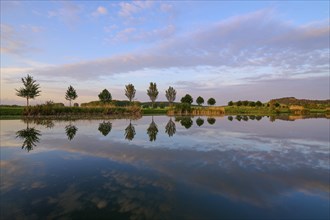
<point x="31" y="89"/>
<point x="245" y="103"/>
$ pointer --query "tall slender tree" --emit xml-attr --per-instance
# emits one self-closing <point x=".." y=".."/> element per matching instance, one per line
<point x="130" y="92"/>
<point x="71" y="94"/>
<point x="153" y="93"/>
<point x="170" y="94"/>
<point x="30" y="90"/>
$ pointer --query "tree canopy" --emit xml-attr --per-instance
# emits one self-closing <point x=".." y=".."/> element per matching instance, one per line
<point x="170" y="94"/>
<point x="71" y="94"/>
<point x="105" y="96"/>
<point x="130" y="92"/>
<point x="152" y="92"/>
<point x="187" y="99"/>
<point x="211" y="101"/>
<point x="200" y="100"/>
<point x="30" y="90"/>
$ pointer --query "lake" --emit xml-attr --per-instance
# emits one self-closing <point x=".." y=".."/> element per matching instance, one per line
<point x="165" y="168"/>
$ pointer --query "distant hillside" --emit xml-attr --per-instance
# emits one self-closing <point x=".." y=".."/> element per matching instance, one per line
<point x="302" y="102"/>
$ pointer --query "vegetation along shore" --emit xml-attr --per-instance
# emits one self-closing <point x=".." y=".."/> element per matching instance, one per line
<point x="105" y="106"/>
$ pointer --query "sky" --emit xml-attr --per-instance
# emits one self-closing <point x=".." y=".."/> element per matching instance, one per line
<point x="229" y="50"/>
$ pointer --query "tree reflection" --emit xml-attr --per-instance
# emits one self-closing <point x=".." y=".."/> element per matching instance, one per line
<point x="30" y="137"/>
<point x="70" y="131"/>
<point x="47" y="123"/>
<point x="211" y="121"/>
<point x="130" y="132"/>
<point x="170" y="128"/>
<point x="185" y="121"/>
<point x="152" y="130"/>
<point x="199" y="122"/>
<point x="105" y="127"/>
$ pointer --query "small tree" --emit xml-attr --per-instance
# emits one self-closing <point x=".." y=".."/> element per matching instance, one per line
<point x="71" y="94"/>
<point x="211" y="101"/>
<point x="245" y="102"/>
<point x="105" y="96"/>
<point x="187" y="99"/>
<point x="230" y="103"/>
<point x="30" y="90"/>
<point x="258" y="103"/>
<point x="200" y="100"/>
<point x="130" y="92"/>
<point x="153" y="93"/>
<point x="239" y="103"/>
<point x="170" y="95"/>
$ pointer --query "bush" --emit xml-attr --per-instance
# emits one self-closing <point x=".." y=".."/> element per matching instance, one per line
<point x="230" y="103"/>
<point x="162" y="105"/>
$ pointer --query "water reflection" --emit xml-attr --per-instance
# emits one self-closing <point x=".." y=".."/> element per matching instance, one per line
<point x="259" y="171"/>
<point x="170" y="128"/>
<point x="130" y="131"/>
<point x="211" y="121"/>
<point x="70" y="131"/>
<point x="47" y="123"/>
<point x="105" y="128"/>
<point x="152" y="130"/>
<point x="185" y="121"/>
<point x="199" y="121"/>
<point x="30" y="137"/>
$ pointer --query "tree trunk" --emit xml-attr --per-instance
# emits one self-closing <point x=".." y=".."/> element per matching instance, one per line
<point x="27" y="105"/>
<point x="70" y="102"/>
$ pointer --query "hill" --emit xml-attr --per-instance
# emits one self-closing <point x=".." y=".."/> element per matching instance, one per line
<point x="302" y="102"/>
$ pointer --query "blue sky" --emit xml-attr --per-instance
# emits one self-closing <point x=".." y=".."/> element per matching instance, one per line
<point x="229" y="50"/>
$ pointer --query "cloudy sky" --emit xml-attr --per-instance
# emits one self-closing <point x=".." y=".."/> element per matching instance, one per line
<point x="222" y="49"/>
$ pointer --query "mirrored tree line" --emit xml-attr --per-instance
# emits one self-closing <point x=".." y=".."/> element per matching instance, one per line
<point x="31" y="135"/>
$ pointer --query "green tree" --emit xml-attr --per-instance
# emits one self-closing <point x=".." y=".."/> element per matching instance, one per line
<point x="130" y="92"/>
<point x="200" y="100"/>
<point x="130" y="132"/>
<point x="152" y="130"/>
<point x="252" y="104"/>
<point x="239" y="103"/>
<point x="105" y="128"/>
<point x="170" y="128"/>
<point x="71" y="94"/>
<point x="211" y="121"/>
<point x="199" y="122"/>
<point x="30" y="90"/>
<point x="70" y="131"/>
<point x="170" y="94"/>
<point x="187" y="99"/>
<point x="105" y="96"/>
<point x="153" y="93"/>
<point x="230" y="103"/>
<point x="30" y="137"/>
<point x="245" y="102"/>
<point x="258" y="103"/>
<point x="211" y="101"/>
<point x="186" y="122"/>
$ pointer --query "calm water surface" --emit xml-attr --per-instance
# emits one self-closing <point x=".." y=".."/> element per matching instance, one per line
<point x="163" y="168"/>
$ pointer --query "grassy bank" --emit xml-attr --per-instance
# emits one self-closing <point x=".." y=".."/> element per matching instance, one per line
<point x="62" y="112"/>
<point x="9" y="112"/>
